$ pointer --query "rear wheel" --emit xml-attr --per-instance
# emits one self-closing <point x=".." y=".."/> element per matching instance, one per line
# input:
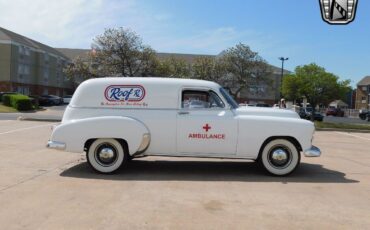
<point x="106" y="155"/>
<point x="280" y="157"/>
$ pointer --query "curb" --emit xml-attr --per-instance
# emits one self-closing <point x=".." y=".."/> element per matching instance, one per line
<point x="20" y="118"/>
<point x="344" y="130"/>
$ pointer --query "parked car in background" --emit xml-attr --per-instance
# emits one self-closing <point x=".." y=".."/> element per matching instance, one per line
<point x="318" y="116"/>
<point x="306" y="113"/>
<point x="364" y="114"/>
<point x="50" y="100"/>
<point x="67" y="99"/>
<point x="334" y="112"/>
<point x="262" y="105"/>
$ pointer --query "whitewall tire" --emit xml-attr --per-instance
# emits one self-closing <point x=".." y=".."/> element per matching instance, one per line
<point x="280" y="157"/>
<point x="106" y="155"/>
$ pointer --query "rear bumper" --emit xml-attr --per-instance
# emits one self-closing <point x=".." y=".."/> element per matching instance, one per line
<point x="56" y="145"/>
<point x="312" y="152"/>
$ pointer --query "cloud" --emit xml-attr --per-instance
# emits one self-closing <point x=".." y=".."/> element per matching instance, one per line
<point x="74" y="24"/>
<point x="209" y="41"/>
<point x="58" y="23"/>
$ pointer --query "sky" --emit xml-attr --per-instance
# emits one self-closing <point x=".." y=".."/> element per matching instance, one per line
<point x="288" y="28"/>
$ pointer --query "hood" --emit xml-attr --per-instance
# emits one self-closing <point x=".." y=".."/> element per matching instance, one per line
<point x="261" y="111"/>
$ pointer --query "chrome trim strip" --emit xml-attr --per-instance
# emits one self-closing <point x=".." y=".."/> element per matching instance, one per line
<point x="120" y="108"/>
<point x="312" y="152"/>
<point x="218" y="156"/>
<point x="56" y="145"/>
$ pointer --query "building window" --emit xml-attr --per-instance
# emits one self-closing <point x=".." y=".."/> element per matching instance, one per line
<point x="46" y="75"/>
<point x="23" y="69"/>
<point x="58" y="78"/>
<point x="24" y="50"/>
<point x="45" y="91"/>
<point x="257" y="90"/>
<point x="20" y="69"/>
<point x="363" y="99"/>
<point x="27" y="69"/>
<point x="46" y="57"/>
<point x="21" y="49"/>
<point x="27" y="51"/>
<point x="23" y="90"/>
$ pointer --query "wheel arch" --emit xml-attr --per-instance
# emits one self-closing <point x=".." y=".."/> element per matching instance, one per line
<point x="80" y="134"/>
<point x="123" y="143"/>
<point x="288" y="138"/>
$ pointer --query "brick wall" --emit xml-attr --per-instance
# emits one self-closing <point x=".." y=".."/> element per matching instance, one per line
<point x="34" y="89"/>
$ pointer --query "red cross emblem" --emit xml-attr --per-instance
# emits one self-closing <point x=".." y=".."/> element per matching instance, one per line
<point x="206" y="127"/>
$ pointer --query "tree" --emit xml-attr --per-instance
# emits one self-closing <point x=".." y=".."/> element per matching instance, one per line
<point x="208" y="68"/>
<point x="244" y="68"/>
<point x="290" y="87"/>
<point x="173" y="67"/>
<point x="314" y="83"/>
<point x="81" y="68"/>
<point x="121" y="51"/>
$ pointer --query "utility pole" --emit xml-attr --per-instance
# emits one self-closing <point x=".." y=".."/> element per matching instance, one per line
<point x="282" y="59"/>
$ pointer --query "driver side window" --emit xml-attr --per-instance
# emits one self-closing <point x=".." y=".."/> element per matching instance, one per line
<point x="197" y="99"/>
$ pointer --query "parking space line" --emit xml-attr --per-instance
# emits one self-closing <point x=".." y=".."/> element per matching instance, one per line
<point x="352" y="135"/>
<point x="22" y="129"/>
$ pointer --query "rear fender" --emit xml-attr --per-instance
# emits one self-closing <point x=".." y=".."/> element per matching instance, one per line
<point x="76" y="132"/>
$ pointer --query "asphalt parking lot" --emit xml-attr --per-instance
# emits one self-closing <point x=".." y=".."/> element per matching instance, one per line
<point x="48" y="189"/>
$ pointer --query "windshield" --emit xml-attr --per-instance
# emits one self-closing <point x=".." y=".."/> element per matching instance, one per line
<point x="230" y="100"/>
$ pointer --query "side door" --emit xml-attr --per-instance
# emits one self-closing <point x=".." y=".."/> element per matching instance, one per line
<point x="205" y="124"/>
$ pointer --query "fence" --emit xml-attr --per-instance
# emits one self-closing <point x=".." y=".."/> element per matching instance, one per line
<point x="347" y="112"/>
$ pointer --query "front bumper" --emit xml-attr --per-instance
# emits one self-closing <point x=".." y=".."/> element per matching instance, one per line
<point x="56" y="145"/>
<point x="312" y="152"/>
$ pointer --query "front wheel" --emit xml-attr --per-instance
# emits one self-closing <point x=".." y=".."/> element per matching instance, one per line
<point x="280" y="157"/>
<point x="106" y="155"/>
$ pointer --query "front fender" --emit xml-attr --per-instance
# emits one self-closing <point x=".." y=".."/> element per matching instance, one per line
<point x="255" y="130"/>
<point x="76" y="132"/>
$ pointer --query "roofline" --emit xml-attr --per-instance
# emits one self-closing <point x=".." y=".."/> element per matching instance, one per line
<point x="37" y="47"/>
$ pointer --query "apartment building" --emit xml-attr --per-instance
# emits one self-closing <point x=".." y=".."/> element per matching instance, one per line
<point x="29" y="67"/>
<point x="363" y="94"/>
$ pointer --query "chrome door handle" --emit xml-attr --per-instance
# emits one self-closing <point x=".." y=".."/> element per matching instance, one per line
<point x="183" y="112"/>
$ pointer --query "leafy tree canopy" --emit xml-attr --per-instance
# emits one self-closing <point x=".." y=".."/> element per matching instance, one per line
<point x="314" y="83"/>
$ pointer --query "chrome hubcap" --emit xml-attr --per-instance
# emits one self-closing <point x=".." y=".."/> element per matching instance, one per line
<point x="279" y="157"/>
<point x="106" y="154"/>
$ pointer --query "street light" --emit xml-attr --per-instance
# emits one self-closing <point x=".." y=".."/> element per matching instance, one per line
<point x="282" y="59"/>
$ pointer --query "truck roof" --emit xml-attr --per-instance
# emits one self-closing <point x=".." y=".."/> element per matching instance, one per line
<point x="134" y="92"/>
<point x="155" y="80"/>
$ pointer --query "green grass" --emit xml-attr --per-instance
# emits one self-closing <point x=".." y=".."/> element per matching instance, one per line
<point x="7" y="109"/>
<point x="324" y="125"/>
